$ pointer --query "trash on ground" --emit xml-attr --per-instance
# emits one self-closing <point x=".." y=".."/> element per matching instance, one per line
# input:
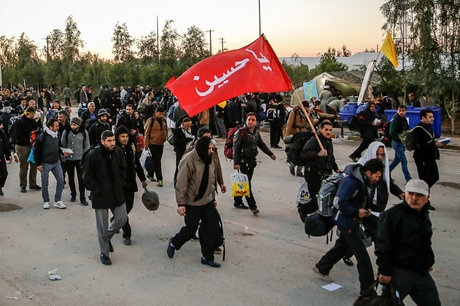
<point x="331" y="287"/>
<point x="52" y="275"/>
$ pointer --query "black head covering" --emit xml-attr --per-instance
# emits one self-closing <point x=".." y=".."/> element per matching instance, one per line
<point x="202" y="147"/>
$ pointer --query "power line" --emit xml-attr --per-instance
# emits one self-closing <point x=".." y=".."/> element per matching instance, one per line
<point x="222" y="42"/>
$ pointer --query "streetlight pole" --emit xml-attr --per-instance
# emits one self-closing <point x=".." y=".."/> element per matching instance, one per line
<point x="260" y="26"/>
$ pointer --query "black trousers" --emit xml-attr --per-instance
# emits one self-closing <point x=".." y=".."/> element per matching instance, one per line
<point x="248" y="169"/>
<point x="193" y="215"/>
<point x="427" y="170"/>
<point x="275" y="132"/>
<point x="157" y="154"/>
<point x="349" y="240"/>
<point x="370" y="226"/>
<point x="129" y="197"/>
<point x="70" y="166"/>
<point x="420" y="287"/>
<point x="362" y="146"/>
<point x="3" y="172"/>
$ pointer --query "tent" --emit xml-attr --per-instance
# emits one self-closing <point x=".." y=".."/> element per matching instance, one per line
<point x="347" y="82"/>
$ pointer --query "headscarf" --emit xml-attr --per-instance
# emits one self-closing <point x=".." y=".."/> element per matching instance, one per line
<point x="51" y="133"/>
<point x="201" y="148"/>
<point x="372" y="153"/>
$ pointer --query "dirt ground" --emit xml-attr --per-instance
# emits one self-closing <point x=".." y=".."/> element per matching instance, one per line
<point x="268" y="260"/>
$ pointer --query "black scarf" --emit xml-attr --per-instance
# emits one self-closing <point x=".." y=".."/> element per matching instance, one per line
<point x="202" y="147"/>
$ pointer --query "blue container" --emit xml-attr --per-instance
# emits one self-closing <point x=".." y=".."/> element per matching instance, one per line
<point x="413" y="116"/>
<point x="347" y="111"/>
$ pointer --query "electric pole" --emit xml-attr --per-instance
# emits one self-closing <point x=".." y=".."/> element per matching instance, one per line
<point x="222" y="42"/>
<point x="158" y="40"/>
<point x="210" y="40"/>
<point x="260" y="26"/>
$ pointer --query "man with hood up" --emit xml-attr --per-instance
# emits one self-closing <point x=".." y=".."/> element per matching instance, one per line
<point x="369" y="126"/>
<point x="195" y="196"/>
<point x="353" y="194"/>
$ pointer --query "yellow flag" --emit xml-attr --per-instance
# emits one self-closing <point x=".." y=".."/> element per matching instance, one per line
<point x="222" y="104"/>
<point x="388" y="48"/>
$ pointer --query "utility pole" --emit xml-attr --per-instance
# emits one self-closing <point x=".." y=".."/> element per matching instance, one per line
<point x="158" y="40"/>
<point x="222" y="42"/>
<point x="1" y="80"/>
<point x="210" y="40"/>
<point x="260" y="26"/>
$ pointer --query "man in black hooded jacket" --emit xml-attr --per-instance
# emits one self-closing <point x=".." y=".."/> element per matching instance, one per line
<point x="369" y="126"/>
<point x="133" y="168"/>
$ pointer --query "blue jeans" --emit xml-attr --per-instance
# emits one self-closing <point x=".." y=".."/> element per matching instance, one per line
<point x="56" y="169"/>
<point x="400" y="156"/>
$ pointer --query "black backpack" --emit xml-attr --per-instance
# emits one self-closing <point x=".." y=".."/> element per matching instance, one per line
<point x="386" y="139"/>
<point x="218" y="240"/>
<point x="353" y="123"/>
<point x="297" y="143"/>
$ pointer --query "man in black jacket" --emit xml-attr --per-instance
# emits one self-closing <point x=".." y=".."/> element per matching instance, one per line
<point x="319" y="165"/>
<point x="277" y="114"/>
<point x="5" y="153"/>
<point x="21" y="135"/>
<point x="48" y="159"/>
<point x="245" y="143"/>
<point x="98" y="127"/>
<point x="398" y="125"/>
<point x="104" y="174"/>
<point x="403" y="248"/>
<point x="369" y="126"/>
<point x="233" y="112"/>
<point x="133" y="168"/>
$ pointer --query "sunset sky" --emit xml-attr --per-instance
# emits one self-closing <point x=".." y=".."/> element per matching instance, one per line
<point x="305" y="27"/>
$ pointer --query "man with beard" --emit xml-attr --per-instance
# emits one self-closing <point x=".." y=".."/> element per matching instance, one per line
<point x="133" y="167"/>
<point x="104" y="174"/>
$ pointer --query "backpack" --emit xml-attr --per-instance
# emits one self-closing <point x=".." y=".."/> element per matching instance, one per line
<point x="34" y="136"/>
<point x="228" y="147"/>
<point x="81" y="110"/>
<point x="297" y="143"/>
<point x="52" y="113"/>
<point x="386" y="139"/>
<point x="326" y="194"/>
<point x="11" y="128"/>
<point x="218" y="240"/>
<point x="408" y="140"/>
<point x="353" y="123"/>
<point x="171" y="112"/>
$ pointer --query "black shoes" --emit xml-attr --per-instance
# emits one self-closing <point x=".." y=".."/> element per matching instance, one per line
<point x="255" y="211"/>
<point x="36" y="187"/>
<point x="171" y="249"/>
<point x="106" y="260"/>
<point x="1" y="193"/>
<point x="210" y="263"/>
<point x="276" y="147"/>
<point x="195" y="238"/>
<point x="299" y="173"/>
<point x="84" y="202"/>
<point x="73" y="198"/>
<point x="348" y="262"/>
<point x="110" y="247"/>
<point x="127" y="241"/>
<point x="240" y="206"/>
<point x="23" y="189"/>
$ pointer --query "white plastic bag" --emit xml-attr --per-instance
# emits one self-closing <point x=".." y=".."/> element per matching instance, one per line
<point x="303" y="196"/>
<point x="144" y="155"/>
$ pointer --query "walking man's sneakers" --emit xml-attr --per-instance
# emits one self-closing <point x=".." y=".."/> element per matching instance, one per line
<point x="106" y="260"/>
<point x="46" y="205"/>
<point x="324" y="277"/>
<point x="59" y="204"/>
<point x="171" y="249"/>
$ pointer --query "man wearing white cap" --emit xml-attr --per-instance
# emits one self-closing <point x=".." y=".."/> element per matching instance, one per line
<point x="403" y="248"/>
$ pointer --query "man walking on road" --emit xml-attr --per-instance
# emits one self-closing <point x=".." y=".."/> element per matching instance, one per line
<point x="398" y="125"/>
<point x="104" y="174"/>
<point x="245" y="143"/>
<point x="403" y="248"/>
<point x="48" y="159"/>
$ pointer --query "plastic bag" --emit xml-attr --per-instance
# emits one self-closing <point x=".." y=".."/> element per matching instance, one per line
<point x="303" y="196"/>
<point x="143" y="158"/>
<point x="240" y="184"/>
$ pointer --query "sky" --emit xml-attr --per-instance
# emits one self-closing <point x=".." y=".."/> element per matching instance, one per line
<point x="304" y="27"/>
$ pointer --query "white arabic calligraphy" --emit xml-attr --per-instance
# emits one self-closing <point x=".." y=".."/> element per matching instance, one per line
<point x="261" y="60"/>
<point x="223" y="79"/>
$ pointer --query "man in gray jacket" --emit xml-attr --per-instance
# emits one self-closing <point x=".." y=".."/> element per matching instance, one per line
<point x="48" y="158"/>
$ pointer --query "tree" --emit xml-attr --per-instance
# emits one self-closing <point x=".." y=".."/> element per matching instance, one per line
<point x="55" y="45"/>
<point x="432" y="45"/>
<point x="72" y="41"/>
<point x="147" y="46"/>
<point x="122" y="43"/>
<point x="194" y="46"/>
<point x="170" y="52"/>
<point x="328" y="63"/>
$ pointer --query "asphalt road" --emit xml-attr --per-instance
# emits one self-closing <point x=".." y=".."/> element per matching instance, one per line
<point x="269" y="258"/>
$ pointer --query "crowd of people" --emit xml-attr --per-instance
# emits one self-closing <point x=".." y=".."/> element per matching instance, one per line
<point x="104" y="142"/>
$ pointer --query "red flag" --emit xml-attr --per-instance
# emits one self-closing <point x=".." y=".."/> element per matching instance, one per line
<point x="254" y="68"/>
<point x="170" y="81"/>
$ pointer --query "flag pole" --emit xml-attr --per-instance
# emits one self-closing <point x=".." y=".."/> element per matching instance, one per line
<point x="308" y="118"/>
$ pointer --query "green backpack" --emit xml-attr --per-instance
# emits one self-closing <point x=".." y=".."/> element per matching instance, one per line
<point x="408" y="140"/>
